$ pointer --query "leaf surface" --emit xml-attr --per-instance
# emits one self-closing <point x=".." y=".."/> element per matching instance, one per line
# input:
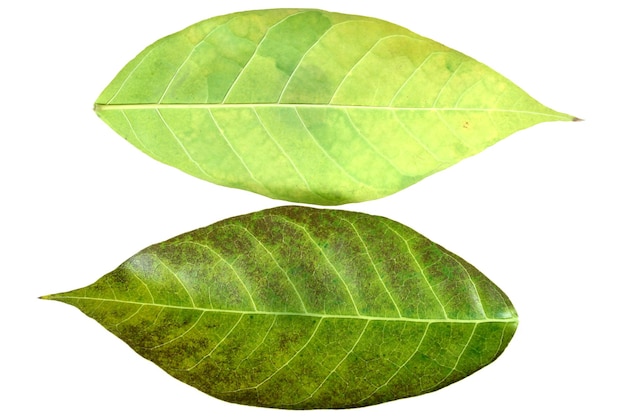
<point x="311" y="106"/>
<point x="301" y="308"/>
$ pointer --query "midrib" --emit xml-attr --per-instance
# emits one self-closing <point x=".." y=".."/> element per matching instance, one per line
<point x="283" y="313"/>
<point x="161" y="106"/>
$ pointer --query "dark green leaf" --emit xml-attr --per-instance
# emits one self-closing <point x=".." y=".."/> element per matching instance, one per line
<point x="311" y="106"/>
<point x="297" y="307"/>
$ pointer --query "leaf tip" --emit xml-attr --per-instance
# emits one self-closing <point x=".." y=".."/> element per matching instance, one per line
<point x="53" y="297"/>
<point x="576" y="119"/>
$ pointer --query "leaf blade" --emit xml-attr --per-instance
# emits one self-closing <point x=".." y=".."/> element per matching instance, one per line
<point x="296" y="307"/>
<point x="315" y="79"/>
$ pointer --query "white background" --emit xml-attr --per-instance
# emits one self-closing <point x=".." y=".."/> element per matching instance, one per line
<point x="540" y="213"/>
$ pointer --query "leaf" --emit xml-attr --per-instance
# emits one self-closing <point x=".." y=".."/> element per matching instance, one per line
<point x="301" y="308"/>
<point x="311" y="106"/>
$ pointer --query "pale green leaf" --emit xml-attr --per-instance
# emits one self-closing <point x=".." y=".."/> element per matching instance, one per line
<point x="311" y="106"/>
<point x="302" y="308"/>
